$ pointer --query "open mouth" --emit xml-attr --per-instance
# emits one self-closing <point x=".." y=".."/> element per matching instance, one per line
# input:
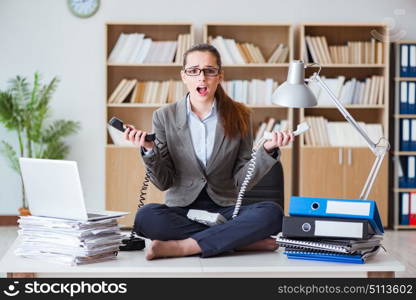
<point x="202" y="90"/>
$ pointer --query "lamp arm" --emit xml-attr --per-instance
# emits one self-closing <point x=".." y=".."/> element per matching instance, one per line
<point x="378" y="150"/>
<point x="374" y="171"/>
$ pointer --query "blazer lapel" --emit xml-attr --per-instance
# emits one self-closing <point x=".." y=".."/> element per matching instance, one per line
<point x="184" y="133"/>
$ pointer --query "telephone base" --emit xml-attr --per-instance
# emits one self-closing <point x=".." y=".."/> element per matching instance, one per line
<point x="205" y="217"/>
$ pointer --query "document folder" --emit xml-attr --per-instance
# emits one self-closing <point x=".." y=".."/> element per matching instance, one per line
<point x="337" y="208"/>
<point x="342" y="258"/>
<point x="311" y="227"/>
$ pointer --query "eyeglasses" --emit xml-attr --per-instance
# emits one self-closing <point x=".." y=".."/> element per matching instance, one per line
<point x="210" y="72"/>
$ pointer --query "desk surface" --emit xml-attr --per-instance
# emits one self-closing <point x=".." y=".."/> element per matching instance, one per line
<point x="244" y="264"/>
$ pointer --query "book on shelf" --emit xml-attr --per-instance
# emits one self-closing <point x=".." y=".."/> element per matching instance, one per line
<point x="407" y="167"/>
<point x="407" y="60"/>
<point x="121" y="92"/>
<point x="369" y="91"/>
<point x="279" y="55"/>
<point x="135" y="48"/>
<point x="147" y="92"/>
<point x="407" y="208"/>
<point x="233" y="52"/>
<point x="352" y="52"/>
<point x="184" y="43"/>
<point x="251" y="92"/>
<point x="339" y="134"/>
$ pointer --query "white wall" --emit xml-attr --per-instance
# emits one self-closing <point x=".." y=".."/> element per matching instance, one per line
<point x="43" y="36"/>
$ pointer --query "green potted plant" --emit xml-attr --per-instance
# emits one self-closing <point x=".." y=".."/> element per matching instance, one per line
<point x="26" y="110"/>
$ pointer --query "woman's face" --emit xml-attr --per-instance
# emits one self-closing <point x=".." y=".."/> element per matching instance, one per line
<point x="201" y="87"/>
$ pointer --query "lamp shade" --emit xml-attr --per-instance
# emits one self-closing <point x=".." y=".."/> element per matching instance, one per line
<point x="294" y="92"/>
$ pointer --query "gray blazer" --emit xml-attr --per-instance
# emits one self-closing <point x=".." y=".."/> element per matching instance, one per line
<point x="173" y="165"/>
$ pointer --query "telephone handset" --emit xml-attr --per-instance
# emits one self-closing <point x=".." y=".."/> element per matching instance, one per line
<point x="118" y="124"/>
<point x="134" y="242"/>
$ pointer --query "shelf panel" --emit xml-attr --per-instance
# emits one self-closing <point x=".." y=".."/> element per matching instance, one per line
<point x="405" y="227"/>
<point x="153" y="65"/>
<point x="349" y="107"/>
<point x="398" y="116"/>
<point x="405" y="78"/>
<point x="255" y="65"/>
<point x="336" y="147"/>
<point x="350" y="66"/>
<point x="404" y="153"/>
<point x="403" y="190"/>
<point x="405" y="42"/>
<point x="127" y="105"/>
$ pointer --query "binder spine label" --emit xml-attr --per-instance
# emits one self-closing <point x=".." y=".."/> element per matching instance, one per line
<point x="348" y="208"/>
<point x="341" y="229"/>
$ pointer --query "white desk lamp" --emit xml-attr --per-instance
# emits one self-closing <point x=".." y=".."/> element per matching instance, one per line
<point x="295" y="93"/>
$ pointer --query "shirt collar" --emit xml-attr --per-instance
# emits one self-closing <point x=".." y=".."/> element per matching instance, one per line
<point x="189" y="111"/>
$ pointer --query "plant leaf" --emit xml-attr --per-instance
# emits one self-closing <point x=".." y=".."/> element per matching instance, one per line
<point x="55" y="150"/>
<point x="59" y="129"/>
<point x="11" y="155"/>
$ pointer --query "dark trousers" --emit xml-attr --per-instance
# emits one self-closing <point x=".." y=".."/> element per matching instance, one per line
<point x="254" y="222"/>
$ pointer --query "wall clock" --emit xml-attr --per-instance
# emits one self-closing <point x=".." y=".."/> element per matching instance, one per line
<point x="83" y="8"/>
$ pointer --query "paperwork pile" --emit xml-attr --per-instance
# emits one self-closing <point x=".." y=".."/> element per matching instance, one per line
<point x="69" y="242"/>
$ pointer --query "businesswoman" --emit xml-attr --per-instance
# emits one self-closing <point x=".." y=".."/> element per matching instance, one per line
<point x="201" y="156"/>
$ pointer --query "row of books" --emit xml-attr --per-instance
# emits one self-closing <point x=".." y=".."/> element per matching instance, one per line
<point x="337" y="235"/>
<point x="351" y="92"/>
<point x="68" y="242"/>
<point x="407" y="209"/>
<point x="251" y="92"/>
<point x="407" y="171"/>
<point x="407" y="60"/>
<point x="135" y="48"/>
<point x="407" y="97"/>
<point x="339" y="134"/>
<point x="354" y="52"/>
<point x="184" y="43"/>
<point x="268" y="125"/>
<point x="407" y="136"/>
<point x="149" y="92"/>
<point x="233" y="52"/>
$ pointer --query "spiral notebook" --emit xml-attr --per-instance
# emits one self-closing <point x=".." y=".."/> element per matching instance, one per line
<point x="332" y="256"/>
<point x="337" y="246"/>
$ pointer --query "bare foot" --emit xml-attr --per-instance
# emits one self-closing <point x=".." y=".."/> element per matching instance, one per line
<point x="159" y="249"/>
<point x="268" y="244"/>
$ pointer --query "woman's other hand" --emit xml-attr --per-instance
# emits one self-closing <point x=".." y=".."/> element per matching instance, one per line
<point x="279" y="139"/>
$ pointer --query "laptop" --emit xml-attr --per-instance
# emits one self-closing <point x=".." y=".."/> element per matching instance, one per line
<point x="53" y="189"/>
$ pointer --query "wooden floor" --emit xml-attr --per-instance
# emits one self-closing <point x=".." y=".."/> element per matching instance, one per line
<point x="400" y="244"/>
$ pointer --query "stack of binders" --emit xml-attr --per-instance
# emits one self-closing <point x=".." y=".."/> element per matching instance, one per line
<point x="68" y="242"/>
<point x="337" y="230"/>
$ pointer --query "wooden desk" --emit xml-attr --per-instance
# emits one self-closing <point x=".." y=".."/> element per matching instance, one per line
<point x="239" y="264"/>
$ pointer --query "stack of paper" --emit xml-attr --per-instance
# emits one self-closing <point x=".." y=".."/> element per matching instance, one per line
<point x="69" y="242"/>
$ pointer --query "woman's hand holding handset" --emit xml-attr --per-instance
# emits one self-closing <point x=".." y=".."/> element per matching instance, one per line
<point x="137" y="137"/>
<point x="279" y="139"/>
<point x="283" y="138"/>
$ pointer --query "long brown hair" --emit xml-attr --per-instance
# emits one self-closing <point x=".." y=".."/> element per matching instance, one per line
<point x="234" y="116"/>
